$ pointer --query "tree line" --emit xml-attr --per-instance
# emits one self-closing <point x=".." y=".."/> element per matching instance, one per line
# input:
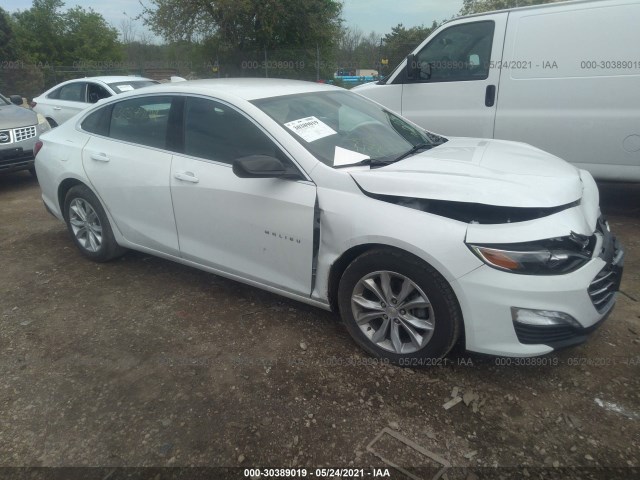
<point x="309" y="39"/>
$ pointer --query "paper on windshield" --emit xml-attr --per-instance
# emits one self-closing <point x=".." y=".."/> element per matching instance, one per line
<point x="347" y="157"/>
<point x="310" y="128"/>
<point x="124" y="88"/>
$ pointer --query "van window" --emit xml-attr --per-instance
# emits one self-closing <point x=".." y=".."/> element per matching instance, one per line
<point x="461" y="52"/>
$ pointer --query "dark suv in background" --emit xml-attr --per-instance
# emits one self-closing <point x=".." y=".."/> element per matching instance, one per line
<point x="20" y="129"/>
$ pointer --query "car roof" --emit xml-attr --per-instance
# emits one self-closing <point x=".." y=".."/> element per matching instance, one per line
<point x="540" y="6"/>
<point x="245" y="88"/>
<point x="114" y="78"/>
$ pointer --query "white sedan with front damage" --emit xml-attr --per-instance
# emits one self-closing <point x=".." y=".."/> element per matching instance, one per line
<point x="320" y="195"/>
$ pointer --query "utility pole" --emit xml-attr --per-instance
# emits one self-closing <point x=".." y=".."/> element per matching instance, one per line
<point x="266" y="68"/>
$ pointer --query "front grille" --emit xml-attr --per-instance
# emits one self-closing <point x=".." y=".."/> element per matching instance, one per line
<point x="603" y="288"/>
<point x="24" y="133"/>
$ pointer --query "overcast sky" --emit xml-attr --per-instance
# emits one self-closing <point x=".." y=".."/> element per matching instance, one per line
<point x="368" y="15"/>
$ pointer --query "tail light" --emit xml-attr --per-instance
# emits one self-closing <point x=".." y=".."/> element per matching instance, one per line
<point x="37" y="147"/>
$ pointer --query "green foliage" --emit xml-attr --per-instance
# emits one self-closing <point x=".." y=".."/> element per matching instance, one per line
<point x="7" y="50"/>
<point x="246" y="23"/>
<point x="46" y="35"/>
<point x="87" y="36"/>
<point x="479" y="6"/>
<point x="401" y="41"/>
<point x="234" y="32"/>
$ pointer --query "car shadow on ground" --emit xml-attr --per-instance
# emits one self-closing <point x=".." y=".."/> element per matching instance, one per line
<point x="15" y="181"/>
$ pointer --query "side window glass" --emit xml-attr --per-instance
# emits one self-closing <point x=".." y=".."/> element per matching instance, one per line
<point x="73" y="92"/>
<point x="217" y="132"/>
<point x="141" y="120"/>
<point x="96" y="92"/>
<point x="98" y="121"/>
<point x="55" y="94"/>
<point x="461" y="52"/>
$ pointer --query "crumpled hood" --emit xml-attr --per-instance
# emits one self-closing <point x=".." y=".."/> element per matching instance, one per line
<point x="12" y="116"/>
<point x="489" y="172"/>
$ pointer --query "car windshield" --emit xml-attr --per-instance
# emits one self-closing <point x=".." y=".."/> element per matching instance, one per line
<point x="127" y="86"/>
<point x="341" y="128"/>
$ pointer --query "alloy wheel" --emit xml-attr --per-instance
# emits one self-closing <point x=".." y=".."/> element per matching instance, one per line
<point x="393" y="312"/>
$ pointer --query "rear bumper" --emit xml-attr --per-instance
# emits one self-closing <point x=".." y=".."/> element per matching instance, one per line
<point x="16" y="158"/>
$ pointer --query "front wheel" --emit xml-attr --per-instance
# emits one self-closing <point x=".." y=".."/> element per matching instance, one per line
<point x="89" y="226"/>
<point x="399" y="308"/>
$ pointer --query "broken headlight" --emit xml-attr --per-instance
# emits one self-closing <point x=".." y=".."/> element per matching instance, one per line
<point x="554" y="256"/>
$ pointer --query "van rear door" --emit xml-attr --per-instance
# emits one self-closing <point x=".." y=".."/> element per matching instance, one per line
<point x="456" y="91"/>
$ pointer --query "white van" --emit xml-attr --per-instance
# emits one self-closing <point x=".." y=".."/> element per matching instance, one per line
<point x="564" y="77"/>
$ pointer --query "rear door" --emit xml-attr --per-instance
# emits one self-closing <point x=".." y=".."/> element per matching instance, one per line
<point x="128" y="163"/>
<point x="65" y="102"/>
<point x="257" y="228"/>
<point x="456" y="92"/>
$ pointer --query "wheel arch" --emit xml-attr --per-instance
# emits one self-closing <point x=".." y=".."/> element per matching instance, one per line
<point x="64" y="187"/>
<point x="342" y="262"/>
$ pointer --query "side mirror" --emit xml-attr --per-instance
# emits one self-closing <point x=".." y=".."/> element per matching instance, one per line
<point x="16" y="100"/>
<point x="258" y="166"/>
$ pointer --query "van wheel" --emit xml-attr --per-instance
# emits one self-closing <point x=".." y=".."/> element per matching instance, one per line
<point x="33" y="173"/>
<point x="89" y="226"/>
<point x="398" y="308"/>
<point x="52" y="122"/>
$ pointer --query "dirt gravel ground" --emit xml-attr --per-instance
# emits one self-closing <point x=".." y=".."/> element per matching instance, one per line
<point x="146" y="363"/>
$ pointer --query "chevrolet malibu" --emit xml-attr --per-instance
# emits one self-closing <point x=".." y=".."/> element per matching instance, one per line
<point x="320" y="195"/>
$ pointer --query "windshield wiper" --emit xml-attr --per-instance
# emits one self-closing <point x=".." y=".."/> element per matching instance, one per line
<point x="415" y="149"/>
<point x="373" y="162"/>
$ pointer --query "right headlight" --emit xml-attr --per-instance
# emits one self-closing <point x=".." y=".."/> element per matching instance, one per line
<point x="554" y="256"/>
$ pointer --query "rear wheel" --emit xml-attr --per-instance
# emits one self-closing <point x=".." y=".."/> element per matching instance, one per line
<point x="32" y="171"/>
<point x="89" y="226"/>
<point x="398" y="307"/>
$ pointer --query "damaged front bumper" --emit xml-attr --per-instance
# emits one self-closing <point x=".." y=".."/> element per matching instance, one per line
<point x="507" y="314"/>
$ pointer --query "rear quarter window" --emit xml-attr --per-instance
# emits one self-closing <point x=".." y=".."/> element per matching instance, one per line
<point x="98" y="121"/>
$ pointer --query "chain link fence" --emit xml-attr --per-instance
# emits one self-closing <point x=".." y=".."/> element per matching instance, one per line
<point x="311" y="64"/>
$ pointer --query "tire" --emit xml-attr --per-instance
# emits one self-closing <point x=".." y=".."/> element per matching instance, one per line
<point x="426" y="329"/>
<point x="52" y="122"/>
<point x="89" y="226"/>
<point x="33" y="173"/>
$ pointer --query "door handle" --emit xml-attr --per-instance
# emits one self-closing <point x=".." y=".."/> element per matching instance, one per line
<point x="99" y="157"/>
<point x="490" y="96"/>
<point x="186" y="177"/>
<point x="57" y="108"/>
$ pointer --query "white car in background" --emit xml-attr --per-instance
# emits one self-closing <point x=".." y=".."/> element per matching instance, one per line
<point x="63" y="101"/>
<point x="320" y="195"/>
